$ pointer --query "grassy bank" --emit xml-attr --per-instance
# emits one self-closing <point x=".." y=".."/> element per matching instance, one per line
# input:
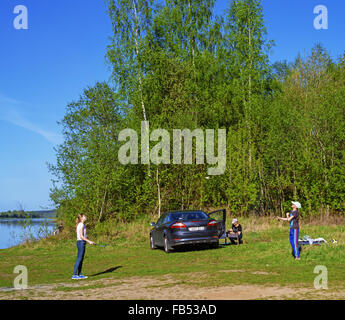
<point x="265" y="258"/>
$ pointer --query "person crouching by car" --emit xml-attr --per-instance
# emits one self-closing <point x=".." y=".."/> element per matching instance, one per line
<point x="235" y="233"/>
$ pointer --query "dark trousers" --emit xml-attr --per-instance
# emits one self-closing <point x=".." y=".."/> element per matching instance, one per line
<point x="233" y="238"/>
<point x="81" y="244"/>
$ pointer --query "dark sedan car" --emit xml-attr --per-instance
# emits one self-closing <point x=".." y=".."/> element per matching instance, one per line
<point x="177" y="228"/>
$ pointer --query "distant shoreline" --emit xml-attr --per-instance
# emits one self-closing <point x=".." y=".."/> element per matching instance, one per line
<point x="21" y="214"/>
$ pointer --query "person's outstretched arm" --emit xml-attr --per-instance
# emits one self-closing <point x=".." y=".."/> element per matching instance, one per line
<point x="285" y="219"/>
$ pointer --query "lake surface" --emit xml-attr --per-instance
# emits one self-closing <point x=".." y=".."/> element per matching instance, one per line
<point x="16" y="231"/>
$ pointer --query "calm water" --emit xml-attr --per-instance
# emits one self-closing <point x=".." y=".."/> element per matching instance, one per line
<point x="16" y="231"/>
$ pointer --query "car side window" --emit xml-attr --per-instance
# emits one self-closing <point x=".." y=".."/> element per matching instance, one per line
<point x="161" y="219"/>
<point x="165" y="218"/>
<point x="168" y="218"/>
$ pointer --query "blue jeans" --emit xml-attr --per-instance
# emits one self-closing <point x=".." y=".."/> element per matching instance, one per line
<point x="294" y="241"/>
<point x="80" y="257"/>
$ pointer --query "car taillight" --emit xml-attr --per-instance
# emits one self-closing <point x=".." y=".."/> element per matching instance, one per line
<point x="212" y="223"/>
<point x="178" y="225"/>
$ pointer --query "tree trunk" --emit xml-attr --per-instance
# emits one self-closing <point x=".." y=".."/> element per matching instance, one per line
<point x="140" y="78"/>
<point x="159" y="192"/>
<point x="101" y="212"/>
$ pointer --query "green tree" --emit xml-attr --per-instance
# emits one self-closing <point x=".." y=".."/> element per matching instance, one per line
<point x="86" y="161"/>
<point x="246" y="51"/>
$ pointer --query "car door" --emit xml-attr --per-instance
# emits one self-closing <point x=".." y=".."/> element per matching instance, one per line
<point x="220" y="217"/>
<point x="155" y="230"/>
<point x="159" y="230"/>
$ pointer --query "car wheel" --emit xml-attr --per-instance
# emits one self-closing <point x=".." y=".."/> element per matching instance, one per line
<point x="215" y="245"/>
<point x="152" y="244"/>
<point x="167" y="248"/>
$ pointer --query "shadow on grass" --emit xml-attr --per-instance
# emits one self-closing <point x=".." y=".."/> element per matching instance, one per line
<point x="106" y="271"/>
<point x="195" y="247"/>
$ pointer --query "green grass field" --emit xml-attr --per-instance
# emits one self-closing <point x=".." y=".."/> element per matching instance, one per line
<point x="265" y="258"/>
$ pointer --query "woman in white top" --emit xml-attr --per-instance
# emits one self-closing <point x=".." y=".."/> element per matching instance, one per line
<point x="81" y="243"/>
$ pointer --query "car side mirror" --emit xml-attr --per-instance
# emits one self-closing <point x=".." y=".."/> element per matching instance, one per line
<point x="152" y="224"/>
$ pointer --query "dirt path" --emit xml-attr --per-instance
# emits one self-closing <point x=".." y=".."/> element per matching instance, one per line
<point x="163" y="288"/>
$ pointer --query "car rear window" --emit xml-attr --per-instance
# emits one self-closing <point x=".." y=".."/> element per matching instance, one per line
<point x="188" y="216"/>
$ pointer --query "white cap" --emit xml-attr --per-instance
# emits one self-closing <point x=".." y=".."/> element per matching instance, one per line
<point x="297" y="204"/>
<point x="234" y="220"/>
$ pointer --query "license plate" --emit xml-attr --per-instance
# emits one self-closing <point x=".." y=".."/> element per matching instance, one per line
<point x="196" y="228"/>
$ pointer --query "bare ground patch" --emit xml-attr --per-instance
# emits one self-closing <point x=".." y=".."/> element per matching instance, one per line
<point x="163" y="288"/>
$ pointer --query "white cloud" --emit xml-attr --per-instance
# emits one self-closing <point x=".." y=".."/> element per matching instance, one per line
<point x="9" y="100"/>
<point x="10" y="114"/>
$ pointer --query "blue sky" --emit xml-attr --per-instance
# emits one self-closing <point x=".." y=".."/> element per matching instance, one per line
<point x="44" y="68"/>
